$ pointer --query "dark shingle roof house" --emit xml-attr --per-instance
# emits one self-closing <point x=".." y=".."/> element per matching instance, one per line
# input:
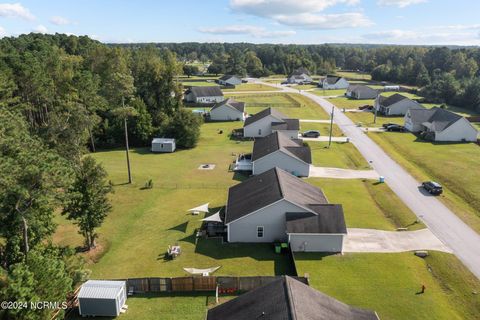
<point x="259" y="191"/>
<point x="227" y="77"/>
<point x="264" y="113"/>
<point x="389" y="101"/>
<point x="206" y="91"/>
<point x="279" y="141"/>
<point x="329" y="220"/>
<point x="287" y="299"/>
<point x="299" y="72"/>
<point x="240" y="106"/>
<point x="359" y="91"/>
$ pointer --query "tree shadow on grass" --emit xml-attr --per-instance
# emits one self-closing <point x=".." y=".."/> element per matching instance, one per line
<point x="182" y="227"/>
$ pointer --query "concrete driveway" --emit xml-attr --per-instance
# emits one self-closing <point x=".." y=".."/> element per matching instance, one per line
<point x="369" y="240"/>
<point x="337" y="173"/>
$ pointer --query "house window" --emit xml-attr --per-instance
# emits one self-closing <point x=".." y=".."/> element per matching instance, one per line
<point x="260" y="232"/>
<point x="259" y="132"/>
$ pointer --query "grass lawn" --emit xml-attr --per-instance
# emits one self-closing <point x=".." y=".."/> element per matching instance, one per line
<point x="199" y="84"/>
<point x="454" y="165"/>
<point x="329" y="93"/>
<point x="344" y="102"/>
<point x="375" y="207"/>
<point x="291" y="104"/>
<point x="461" y="111"/>
<point x="251" y="87"/>
<point x="323" y="128"/>
<point x="367" y="117"/>
<point x="389" y="284"/>
<point x="351" y="75"/>
<point x="339" y="155"/>
<point x="136" y="234"/>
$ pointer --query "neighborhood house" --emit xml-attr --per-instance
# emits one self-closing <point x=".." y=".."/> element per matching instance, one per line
<point x="270" y="120"/>
<point x="277" y="206"/>
<point x="207" y="94"/>
<point x="438" y="124"/>
<point x="331" y="82"/>
<point x="102" y="298"/>
<point x="361" y="92"/>
<point x="163" y="145"/>
<point x="229" y="80"/>
<point x="287" y="298"/>
<point x="299" y="76"/>
<point x="279" y="150"/>
<point x="228" y="110"/>
<point x="395" y="105"/>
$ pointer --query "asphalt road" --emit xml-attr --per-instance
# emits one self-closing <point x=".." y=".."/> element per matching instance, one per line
<point x="442" y="222"/>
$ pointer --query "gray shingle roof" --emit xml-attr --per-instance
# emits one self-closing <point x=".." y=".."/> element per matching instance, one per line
<point x="438" y="118"/>
<point x="287" y="299"/>
<point x="265" y="113"/>
<point x="286" y="124"/>
<point x="330" y="219"/>
<point x="280" y="141"/>
<point x="361" y="89"/>
<point x="206" y="91"/>
<point x="240" y="106"/>
<point x="228" y="76"/>
<point x="332" y="79"/>
<point x="388" y="101"/>
<point x="299" y="72"/>
<point x="266" y="188"/>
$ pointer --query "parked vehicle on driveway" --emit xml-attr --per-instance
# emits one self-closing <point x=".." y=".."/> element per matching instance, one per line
<point x="386" y="125"/>
<point x="311" y="134"/>
<point x="395" y="128"/>
<point x="432" y="187"/>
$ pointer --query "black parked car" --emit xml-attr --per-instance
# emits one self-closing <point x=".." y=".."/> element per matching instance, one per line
<point x="386" y="125"/>
<point x="396" y="128"/>
<point x="311" y="134"/>
<point x="432" y="187"/>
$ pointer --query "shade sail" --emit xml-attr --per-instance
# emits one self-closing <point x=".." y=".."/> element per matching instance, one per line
<point x="202" y="208"/>
<point x="213" y="218"/>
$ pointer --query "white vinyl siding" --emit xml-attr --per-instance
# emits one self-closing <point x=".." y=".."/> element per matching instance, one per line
<point x="225" y="113"/>
<point x="283" y="161"/>
<point x="316" y="242"/>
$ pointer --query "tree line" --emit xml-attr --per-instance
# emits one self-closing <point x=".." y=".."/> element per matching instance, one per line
<point x="61" y="96"/>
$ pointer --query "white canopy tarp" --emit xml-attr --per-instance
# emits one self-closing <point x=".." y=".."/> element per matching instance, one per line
<point x="213" y="218"/>
<point x="201" y="271"/>
<point x="202" y="208"/>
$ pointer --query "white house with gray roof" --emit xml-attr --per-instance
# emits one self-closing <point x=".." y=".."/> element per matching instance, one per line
<point x="277" y="206"/>
<point x="228" y="110"/>
<point x="361" y="92"/>
<point x="440" y="125"/>
<point x="279" y="150"/>
<point x="395" y="105"/>
<point x="229" y="80"/>
<point x="299" y="76"/>
<point x="270" y="120"/>
<point x="331" y="82"/>
<point x="207" y="94"/>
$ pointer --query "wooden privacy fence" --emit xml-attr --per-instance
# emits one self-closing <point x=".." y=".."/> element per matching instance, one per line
<point x="198" y="283"/>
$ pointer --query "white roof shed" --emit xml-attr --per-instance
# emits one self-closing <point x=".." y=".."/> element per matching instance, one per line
<point x="102" y="298"/>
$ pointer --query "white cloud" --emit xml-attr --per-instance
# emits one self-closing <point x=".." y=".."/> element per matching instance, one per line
<point x="40" y="29"/>
<point x="399" y="3"/>
<point x="441" y="35"/>
<point x="15" y="10"/>
<point x="59" y="21"/>
<point x="303" y="14"/>
<point x="254" y="31"/>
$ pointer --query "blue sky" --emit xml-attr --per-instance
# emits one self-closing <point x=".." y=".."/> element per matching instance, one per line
<point x="259" y="21"/>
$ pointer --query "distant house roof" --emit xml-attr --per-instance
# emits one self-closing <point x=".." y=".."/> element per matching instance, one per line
<point x="330" y="219"/>
<point x="228" y="76"/>
<point x="286" y="124"/>
<point x="389" y="101"/>
<point x="101" y="289"/>
<point x="299" y="72"/>
<point x="280" y="141"/>
<point x="266" y="188"/>
<point x="360" y="88"/>
<point x="331" y="79"/>
<point x="436" y="119"/>
<point x="287" y="299"/>
<point x="206" y="91"/>
<point x="240" y="106"/>
<point x="265" y="113"/>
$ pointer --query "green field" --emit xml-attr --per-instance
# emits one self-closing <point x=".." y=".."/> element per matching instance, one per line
<point x="199" y="84"/>
<point x="251" y="87"/>
<point x="350" y="75"/>
<point x="390" y="284"/>
<point x="291" y="104"/>
<point x="339" y="155"/>
<point x="329" y="93"/>
<point x="454" y="165"/>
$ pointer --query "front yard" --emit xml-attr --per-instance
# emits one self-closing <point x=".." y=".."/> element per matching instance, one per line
<point x="251" y="87"/>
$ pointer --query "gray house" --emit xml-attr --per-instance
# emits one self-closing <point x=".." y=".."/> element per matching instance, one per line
<point x="440" y="125"/>
<point x="228" y="110"/>
<point x="395" y="105"/>
<point x="163" y="145"/>
<point x="207" y="94"/>
<point x="331" y="82"/>
<point x="361" y="92"/>
<point x="270" y="120"/>
<point x="229" y="80"/>
<point x="287" y="298"/>
<point x="273" y="205"/>
<point x="279" y="150"/>
<point x="102" y="298"/>
<point x="301" y="75"/>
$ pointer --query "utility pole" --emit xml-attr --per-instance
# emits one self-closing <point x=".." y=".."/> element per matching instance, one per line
<point x="375" y="115"/>
<point x="126" y="143"/>
<point x="331" y="127"/>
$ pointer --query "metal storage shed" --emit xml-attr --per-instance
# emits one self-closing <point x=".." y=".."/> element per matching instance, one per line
<point x="163" y="145"/>
<point x="102" y="298"/>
